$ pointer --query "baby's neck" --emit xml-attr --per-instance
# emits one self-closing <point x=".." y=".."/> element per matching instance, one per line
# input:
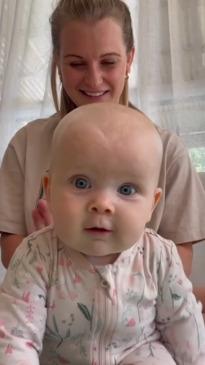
<point x="102" y="260"/>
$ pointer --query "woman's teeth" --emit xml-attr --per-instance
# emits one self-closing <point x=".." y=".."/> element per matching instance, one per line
<point x="100" y="93"/>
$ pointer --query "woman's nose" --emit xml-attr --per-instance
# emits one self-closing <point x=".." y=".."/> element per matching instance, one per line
<point x="101" y="205"/>
<point x="94" y="77"/>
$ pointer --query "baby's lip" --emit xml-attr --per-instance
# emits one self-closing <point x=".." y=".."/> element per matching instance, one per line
<point x="98" y="229"/>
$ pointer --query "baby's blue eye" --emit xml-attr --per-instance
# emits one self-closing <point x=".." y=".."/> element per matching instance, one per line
<point x="81" y="183"/>
<point x="127" y="189"/>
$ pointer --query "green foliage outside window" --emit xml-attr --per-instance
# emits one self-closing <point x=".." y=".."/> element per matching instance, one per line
<point x="198" y="158"/>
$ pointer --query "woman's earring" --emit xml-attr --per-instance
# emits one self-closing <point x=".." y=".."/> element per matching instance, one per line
<point x="124" y="96"/>
<point x="127" y="76"/>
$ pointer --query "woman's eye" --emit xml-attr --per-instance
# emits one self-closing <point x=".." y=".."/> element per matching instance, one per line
<point x="109" y="62"/>
<point x="81" y="183"/>
<point x="127" y="189"/>
<point x="76" y="65"/>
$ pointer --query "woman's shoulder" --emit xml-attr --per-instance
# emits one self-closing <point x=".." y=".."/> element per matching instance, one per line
<point x="35" y="131"/>
<point x="172" y="143"/>
<point x="39" y="125"/>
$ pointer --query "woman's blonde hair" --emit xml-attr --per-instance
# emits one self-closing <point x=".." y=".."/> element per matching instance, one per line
<point x="86" y="10"/>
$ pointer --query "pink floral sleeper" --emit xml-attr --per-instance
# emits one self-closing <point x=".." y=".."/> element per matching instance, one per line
<point x="57" y="307"/>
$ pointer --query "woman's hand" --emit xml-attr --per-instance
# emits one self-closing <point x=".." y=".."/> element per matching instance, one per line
<point x="9" y="243"/>
<point x="41" y="215"/>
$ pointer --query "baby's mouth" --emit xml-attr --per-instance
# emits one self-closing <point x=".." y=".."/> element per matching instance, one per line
<point x="100" y="230"/>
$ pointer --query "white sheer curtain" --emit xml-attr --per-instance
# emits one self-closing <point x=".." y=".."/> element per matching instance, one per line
<point x="167" y="80"/>
<point x="24" y="64"/>
<point x="171" y="68"/>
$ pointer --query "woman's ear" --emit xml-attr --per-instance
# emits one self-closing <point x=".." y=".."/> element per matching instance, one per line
<point x="130" y="57"/>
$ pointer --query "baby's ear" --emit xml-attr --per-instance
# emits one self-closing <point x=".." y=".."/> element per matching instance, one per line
<point x="46" y="186"/>
<point x="157" y="197"/>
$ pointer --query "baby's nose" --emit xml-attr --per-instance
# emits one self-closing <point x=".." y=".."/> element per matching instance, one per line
<point x="102" y="205"/>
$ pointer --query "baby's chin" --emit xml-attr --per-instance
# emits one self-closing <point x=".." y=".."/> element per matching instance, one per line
<point x="99" y="257"/>
<point x="102" y="252"/>
<point x="96" y="248"/>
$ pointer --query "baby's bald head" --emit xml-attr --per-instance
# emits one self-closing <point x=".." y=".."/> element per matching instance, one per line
<point x="107" y="126"/>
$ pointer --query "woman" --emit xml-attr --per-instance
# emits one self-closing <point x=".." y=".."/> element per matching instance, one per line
<point x="93" y="50"/>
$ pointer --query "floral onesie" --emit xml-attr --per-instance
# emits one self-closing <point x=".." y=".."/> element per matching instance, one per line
<point x="56" y="308"/>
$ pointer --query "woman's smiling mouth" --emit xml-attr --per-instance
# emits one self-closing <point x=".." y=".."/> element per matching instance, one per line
<point x="94" y="94"/>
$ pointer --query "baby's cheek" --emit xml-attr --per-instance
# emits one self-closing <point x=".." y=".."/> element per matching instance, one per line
<point x="131" y="228"/>
<point x="62" y="232"/>
<point x="60" y="206"/>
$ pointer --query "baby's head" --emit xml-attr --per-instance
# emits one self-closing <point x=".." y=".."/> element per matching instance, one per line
<point x="103" y="182"/>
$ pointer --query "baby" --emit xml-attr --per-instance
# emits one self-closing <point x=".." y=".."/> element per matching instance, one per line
<point x="99" y="288"/>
